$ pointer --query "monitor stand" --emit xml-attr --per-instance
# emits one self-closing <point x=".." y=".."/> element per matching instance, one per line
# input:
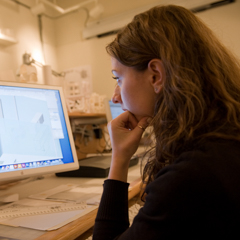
<point x="94" y="167"/>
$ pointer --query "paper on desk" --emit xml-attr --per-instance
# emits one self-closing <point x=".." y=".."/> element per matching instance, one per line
<point x="31" y="203"/>
<point x="87" y="189"/>
<point x="44" y="195"/>
<point x="7" y="238"/>
<point x="69" y="192"/>
<point x="48" y="222"/>
<point x="78" y="194"/>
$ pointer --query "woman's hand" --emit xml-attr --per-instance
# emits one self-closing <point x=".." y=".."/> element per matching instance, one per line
<point x="125" y="134"/>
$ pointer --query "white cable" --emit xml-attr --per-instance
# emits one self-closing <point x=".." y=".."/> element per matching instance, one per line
<point x="71" y="9"/>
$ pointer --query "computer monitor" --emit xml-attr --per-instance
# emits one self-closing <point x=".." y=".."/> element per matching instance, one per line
<point x="35" y="132"/>
<point x="112" y="109"/>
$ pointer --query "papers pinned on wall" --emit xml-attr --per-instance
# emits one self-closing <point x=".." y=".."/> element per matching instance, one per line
<point x="78" y="81"/>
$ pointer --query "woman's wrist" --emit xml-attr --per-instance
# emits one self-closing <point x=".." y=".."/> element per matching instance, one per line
<point x="119" y="169"/>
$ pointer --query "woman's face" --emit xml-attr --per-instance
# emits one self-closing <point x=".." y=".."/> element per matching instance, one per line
<point x="134" y="90"/>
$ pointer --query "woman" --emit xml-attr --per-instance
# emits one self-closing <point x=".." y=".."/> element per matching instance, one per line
<point x="173" y="73"/>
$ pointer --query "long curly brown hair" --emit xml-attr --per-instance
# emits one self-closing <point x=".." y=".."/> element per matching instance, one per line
<point x="201" y="95"/>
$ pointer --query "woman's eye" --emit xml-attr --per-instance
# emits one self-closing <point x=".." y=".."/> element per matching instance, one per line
<point x="117" y="79"/>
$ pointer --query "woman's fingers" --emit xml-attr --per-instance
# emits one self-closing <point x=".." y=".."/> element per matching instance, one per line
<point x="125" y="133"/>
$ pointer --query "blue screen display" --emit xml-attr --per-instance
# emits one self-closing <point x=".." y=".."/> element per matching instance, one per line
<point x="65" y="144"/>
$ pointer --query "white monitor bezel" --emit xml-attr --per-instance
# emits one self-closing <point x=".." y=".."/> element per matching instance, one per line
<point x="107" y="109"/>
<point x="25" y="173"/>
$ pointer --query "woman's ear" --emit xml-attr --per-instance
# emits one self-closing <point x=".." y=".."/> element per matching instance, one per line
<point x="157" y="71"/>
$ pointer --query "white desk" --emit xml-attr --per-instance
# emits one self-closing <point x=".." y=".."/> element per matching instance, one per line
<point x="73" y="229"/>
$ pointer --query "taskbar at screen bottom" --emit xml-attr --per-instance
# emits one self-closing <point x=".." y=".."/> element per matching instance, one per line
<point x="36" y="164"/>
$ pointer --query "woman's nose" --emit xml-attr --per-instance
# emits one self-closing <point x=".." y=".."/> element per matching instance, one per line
<point x="116" y="98"/>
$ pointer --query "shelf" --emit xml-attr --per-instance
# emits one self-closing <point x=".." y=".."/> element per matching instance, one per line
<point x="6" y="40"/>
<point x="82" y="115"/>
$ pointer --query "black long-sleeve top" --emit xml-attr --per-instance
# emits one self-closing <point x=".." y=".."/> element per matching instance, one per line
<point x="196" y="197"/>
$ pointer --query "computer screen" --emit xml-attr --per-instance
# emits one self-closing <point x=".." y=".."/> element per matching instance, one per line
<point x="112" y="109"/>
<point x="35" y="132"/>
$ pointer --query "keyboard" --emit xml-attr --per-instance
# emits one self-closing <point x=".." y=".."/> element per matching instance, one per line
<point x="13" y="210"/>
<point x="133" y="211"/>
<point x="94" y="167"/>
<point x="140" y="151"/>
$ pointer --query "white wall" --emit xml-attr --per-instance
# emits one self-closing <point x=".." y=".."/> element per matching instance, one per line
<point x="25" y="28"/>
<point x="225" y="22"/>
<point x="64" y="47"/>
<point x="72" y="50"/>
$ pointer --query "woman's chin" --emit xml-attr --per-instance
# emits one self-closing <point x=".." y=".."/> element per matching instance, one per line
<point x="139" y="117"/>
